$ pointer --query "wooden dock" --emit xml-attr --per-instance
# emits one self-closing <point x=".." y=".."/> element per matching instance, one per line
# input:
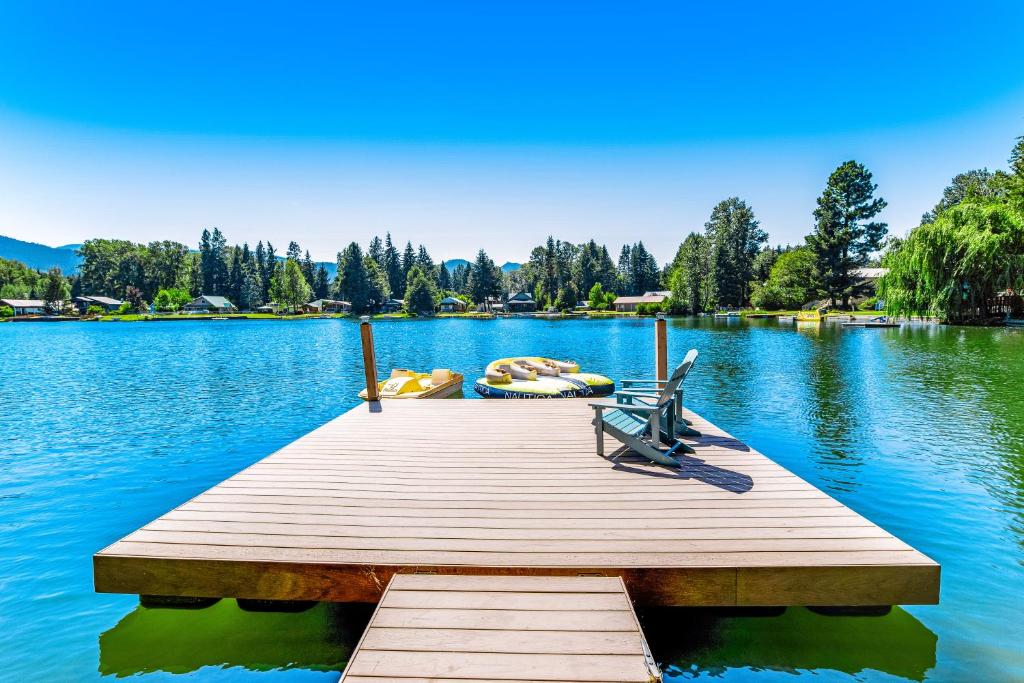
<point x="503" y="628"/>
<point x="514" y="488"/>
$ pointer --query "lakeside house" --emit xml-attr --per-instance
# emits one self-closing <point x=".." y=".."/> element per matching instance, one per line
<point x="25" y="306"/>
<point x="450" y="304"/>
<point x="327" y="306"/>
<point x="209" y="304"/>
<point x="392" y="306"/>
<point x="628" y="304"/>
<point x="84" y="303"/>
<point x="522" y="302"/>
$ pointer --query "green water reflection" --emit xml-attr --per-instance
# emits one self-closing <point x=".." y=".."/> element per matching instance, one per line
<point x="693" y="642"/>
<point x="183" y="641"/>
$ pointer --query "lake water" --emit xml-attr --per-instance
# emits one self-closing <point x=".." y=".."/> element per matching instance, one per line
<point x="106" y="426"/>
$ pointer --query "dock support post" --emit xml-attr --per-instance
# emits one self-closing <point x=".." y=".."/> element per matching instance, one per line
<point x="369" y="359"/>
<point x="660" y="349"/>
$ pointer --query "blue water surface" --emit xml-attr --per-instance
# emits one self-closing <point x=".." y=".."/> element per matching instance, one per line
<point x="108" y="425"/>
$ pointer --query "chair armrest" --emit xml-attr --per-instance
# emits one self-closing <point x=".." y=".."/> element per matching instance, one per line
<point x="634" y="408"/>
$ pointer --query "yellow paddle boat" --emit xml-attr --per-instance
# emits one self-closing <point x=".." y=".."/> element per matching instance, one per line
<point x="812" y="316"/>
<point x="440" y="383"/>
<point x="539" y="377"/>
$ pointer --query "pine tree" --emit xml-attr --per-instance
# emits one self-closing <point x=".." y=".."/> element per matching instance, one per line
<point x="351" y="281"/>
<point x="690" y="275"/>
<point x="260" y="255"/>
<point x="235" y="276"/>
<point x="321" y="287"/>
<point x="736" y="238"/>
<point x="376" y="250"/>
<point x="393" y="266"/>
<point x="376" y="283"/>
<point x="251" y="292"/>
<point x="294" y="251"/>
<point x="624" y="276"/>
<point x="309" y="270"/>
<point x="56" y="292"/>
<point x="270" y="268"/>
<point x="212" y="255"/>
<point x="408" y="261"/>
<point x="844" y="235"/>
<point x="484" y="278"/>
<point x="444" y="278"/>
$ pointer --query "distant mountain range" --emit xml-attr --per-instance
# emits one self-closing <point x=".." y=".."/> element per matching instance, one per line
<point x="453" y="263"/>
<point x="40" y="256"/>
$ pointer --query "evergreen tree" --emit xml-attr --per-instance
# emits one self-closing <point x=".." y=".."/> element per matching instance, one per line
<point x="294" y="252"/>
<point x="408" y="261"/>
<point x="376" y="282"/>
<point x="193" y="280"/>
<point x="56" y="292"/>
<point x="351" y="281"/>
<point x="690" y="276"/>
<point x="624" y="275"/>
<point x="321" y="287"/>
<point x="736" y="238"/>
<point x="270" y="268"/>
<point x="643" y="270"/>
<point x="212" y="256"/>
<point x="420" y="292"/>
<point x="844" y="235"/>
<point x="444" y="278"/>
<point x="460" y="279"/>
<point x="235" y="276"/>
<point x="376" y="250"/>
<point x="251" y="291"/>
<point x="393" y="266"/>
<point x="260" y="255"/>
<point x="424" y="261"/>
<point x="484" y="278"/>
<point x="309" y="270"/>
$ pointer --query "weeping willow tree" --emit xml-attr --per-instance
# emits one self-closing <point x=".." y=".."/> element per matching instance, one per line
<point x="955" y="266"/>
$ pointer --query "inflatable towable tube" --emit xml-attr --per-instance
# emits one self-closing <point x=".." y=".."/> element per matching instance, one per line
<point x="537" y="377"/>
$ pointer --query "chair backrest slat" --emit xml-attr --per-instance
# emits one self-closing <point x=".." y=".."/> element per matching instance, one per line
<point x="678" y="375"/>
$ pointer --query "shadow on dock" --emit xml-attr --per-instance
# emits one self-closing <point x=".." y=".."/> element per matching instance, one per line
<point x="691" y="641"/>
<point x="692" y="468"/>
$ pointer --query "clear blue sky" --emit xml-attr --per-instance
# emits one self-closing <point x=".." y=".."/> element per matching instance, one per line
<point x="471" y="125"/>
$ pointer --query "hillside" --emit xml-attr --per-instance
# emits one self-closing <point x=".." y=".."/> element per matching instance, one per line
<point x="39" y="256"/>
<point x="454" y="263"/>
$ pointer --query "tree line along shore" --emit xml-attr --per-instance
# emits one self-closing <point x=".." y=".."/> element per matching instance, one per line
<point x="963" y="263"/>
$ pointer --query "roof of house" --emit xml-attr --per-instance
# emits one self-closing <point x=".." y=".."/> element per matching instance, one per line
<point x="23" y="303"/>
<point x="659" y="292"/>
<point x="215" y="301"/>
<point x="323" y="302"/>
<point x="645" y="299"/>
<point x="870" y="273"/>
<point x="453" y="300"/>
<point x="105" y="300"/>
<point x="522" y="296"/>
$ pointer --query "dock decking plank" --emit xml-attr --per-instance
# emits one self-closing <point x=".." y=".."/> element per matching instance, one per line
<point x="562" y="629"/>
<point x="514" y="488"/>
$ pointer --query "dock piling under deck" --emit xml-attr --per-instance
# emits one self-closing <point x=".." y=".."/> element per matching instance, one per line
<point x="514" y="488"/>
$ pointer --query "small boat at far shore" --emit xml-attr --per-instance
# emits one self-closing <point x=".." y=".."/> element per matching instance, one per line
<point x="439" y="383"/>
<point x="880" y="321"/>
